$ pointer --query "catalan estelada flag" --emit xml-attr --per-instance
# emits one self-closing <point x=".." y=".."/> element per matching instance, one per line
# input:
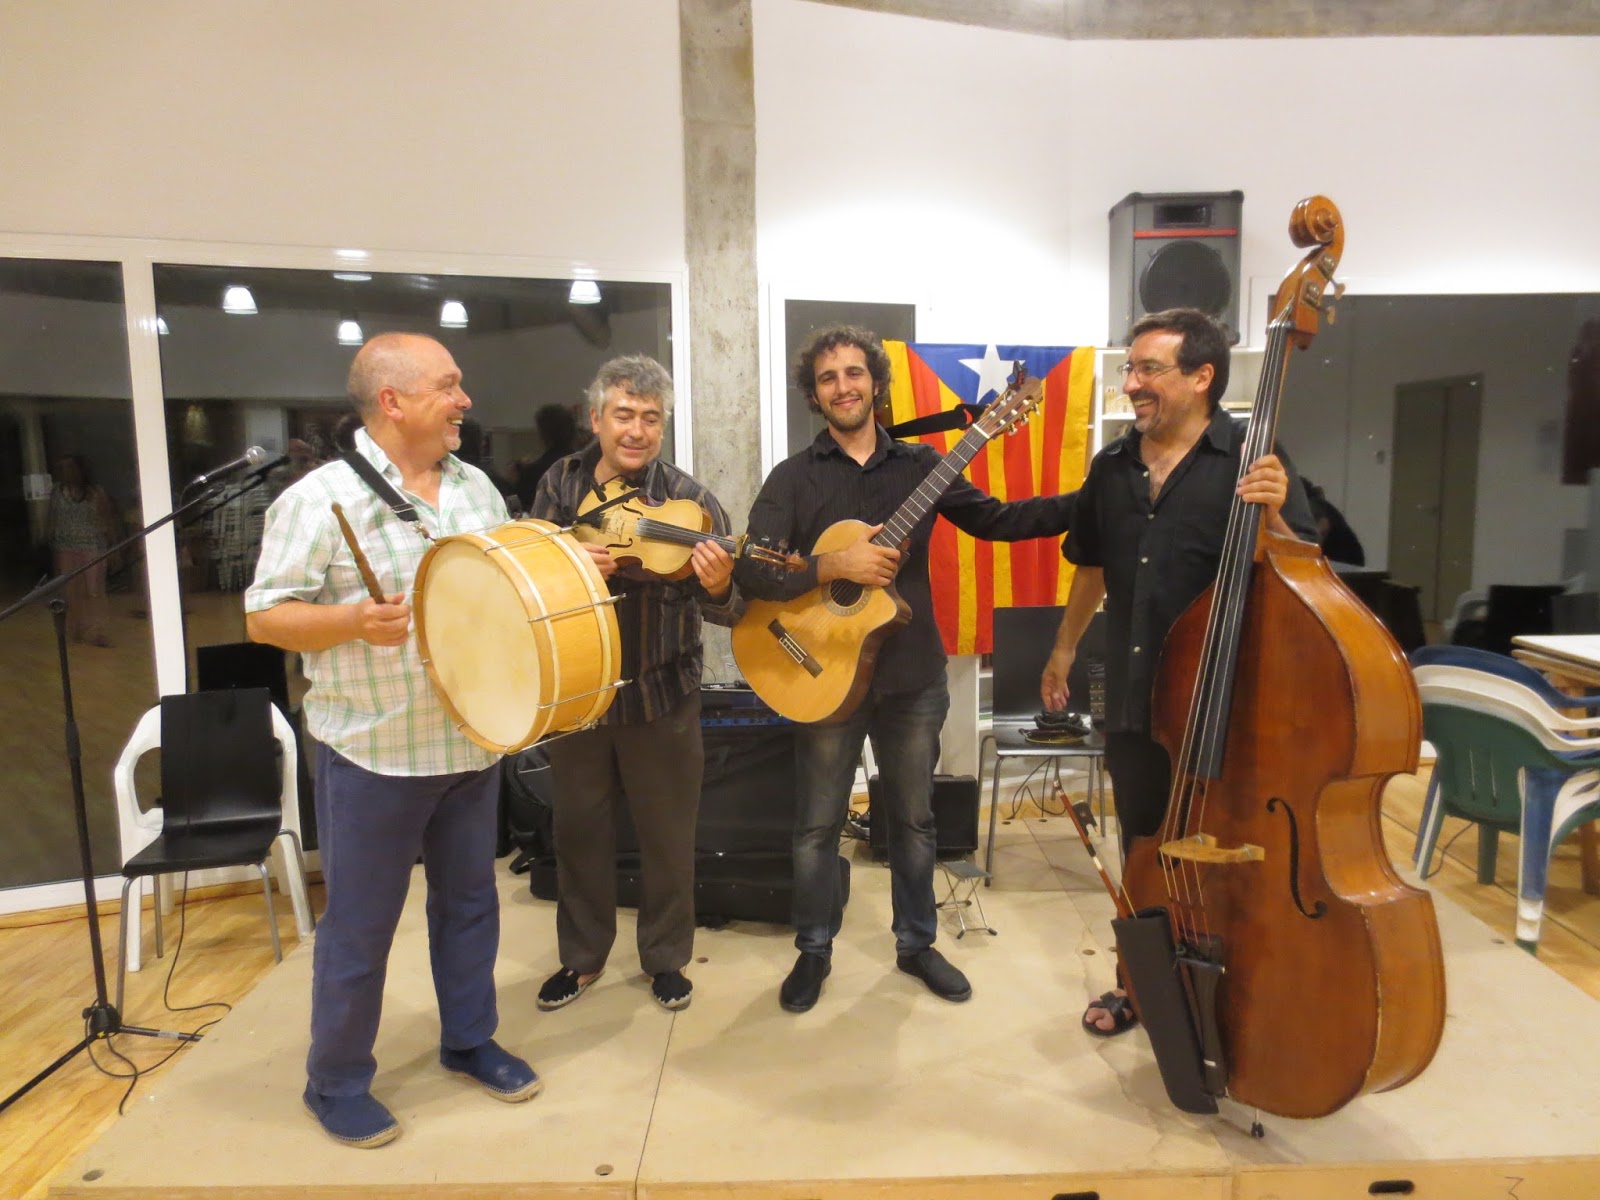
<point x="1046" y="457"/>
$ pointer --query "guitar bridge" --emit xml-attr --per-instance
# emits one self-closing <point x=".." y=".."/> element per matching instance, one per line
<point x="794" y="649"/>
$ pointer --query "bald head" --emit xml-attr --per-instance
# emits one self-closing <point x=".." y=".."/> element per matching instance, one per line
<point x="387" y="360"/>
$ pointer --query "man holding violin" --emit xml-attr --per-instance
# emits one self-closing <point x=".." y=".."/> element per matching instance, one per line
<point x="647" y="747"/>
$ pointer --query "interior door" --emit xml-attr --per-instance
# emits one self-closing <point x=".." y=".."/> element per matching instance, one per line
<point x="1433" y="488"/>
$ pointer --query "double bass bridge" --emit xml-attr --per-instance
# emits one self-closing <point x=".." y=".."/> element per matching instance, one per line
<point x="1204" y="848"/>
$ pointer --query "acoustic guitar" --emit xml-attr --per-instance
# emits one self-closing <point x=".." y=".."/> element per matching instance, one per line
<point x="811" y="658"/>
<point x="647" y="537"/>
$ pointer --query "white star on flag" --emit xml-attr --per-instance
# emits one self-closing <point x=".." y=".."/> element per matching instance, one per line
<point x="993" y="372"/>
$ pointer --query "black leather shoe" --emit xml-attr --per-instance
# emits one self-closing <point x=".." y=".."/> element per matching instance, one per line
<point x="944" y="980"/>
<point x="804" y="984"/>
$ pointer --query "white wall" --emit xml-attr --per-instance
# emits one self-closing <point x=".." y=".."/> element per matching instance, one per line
<point x="970" y="170"/>
<point x="506" y="127"/>
<point x="1338" y="418"/>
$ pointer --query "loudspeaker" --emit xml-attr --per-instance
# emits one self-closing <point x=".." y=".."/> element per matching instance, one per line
<point x="955" y="817"/>
<point x="1175" y="250"/>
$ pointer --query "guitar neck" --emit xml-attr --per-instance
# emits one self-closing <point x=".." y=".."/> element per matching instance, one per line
<point x="898" y="527"/>
<point x="661" y="531"/>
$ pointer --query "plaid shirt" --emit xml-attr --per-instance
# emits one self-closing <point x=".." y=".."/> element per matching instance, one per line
<point x="658" y="619"/>
<point x="372" y="704"/>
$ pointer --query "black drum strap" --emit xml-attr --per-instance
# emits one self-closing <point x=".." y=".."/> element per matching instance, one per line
<point x="385" y="491"/>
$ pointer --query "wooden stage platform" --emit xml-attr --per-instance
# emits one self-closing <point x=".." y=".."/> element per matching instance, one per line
<point x="881" y="1091"/>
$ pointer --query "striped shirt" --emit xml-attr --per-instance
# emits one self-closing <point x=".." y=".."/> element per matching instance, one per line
<point x="658" y="620"/>
<point x="371" y="704"/>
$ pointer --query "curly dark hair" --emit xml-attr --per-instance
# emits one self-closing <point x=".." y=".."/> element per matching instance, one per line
<point x="832" y="337"/>
<point x="1204" y="341"/>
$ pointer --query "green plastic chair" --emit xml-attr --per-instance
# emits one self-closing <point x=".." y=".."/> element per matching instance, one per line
<point x="1501" y="768"/>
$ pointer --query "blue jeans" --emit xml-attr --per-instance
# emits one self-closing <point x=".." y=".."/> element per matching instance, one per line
<point x="904" y="727"/>
<point x="371" y="829"/>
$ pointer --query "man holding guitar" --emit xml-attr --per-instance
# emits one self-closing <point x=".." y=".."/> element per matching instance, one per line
<point x="854" y="470"/>
<point x="647" y="747"/>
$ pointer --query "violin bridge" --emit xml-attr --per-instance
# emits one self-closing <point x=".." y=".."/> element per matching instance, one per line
<point x="1203" y="848"/>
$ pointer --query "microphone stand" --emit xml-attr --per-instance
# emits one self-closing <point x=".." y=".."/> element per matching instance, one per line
<point x="101" y="1018"/>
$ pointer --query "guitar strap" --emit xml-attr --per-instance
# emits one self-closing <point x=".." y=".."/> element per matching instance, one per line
<point x="385" y="491"/>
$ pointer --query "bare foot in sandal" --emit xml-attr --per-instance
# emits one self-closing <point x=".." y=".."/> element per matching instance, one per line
<point x="1110" y="1015"/>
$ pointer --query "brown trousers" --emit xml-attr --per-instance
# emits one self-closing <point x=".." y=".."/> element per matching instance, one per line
<point x="658" y="768"/>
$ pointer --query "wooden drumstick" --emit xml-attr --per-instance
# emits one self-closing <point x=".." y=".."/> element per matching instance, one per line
<point x="367" y="577"/>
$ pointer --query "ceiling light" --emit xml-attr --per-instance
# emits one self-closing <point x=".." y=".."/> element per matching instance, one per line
<point x="349" y="332"/>
<point x="584" y="291"/>
<point x="161" y="326"/>
<point x="356" y="255"/>
<point x="352" y="276"/>
<point x="453" y="315"/>
<point x="238" y="301"/>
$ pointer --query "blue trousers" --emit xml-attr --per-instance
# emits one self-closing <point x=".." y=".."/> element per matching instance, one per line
<point x="904" y="728"/>
<point x="371" y="829"/>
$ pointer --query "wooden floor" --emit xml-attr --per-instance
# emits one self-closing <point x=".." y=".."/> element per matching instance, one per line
<point x="46" y="961"/>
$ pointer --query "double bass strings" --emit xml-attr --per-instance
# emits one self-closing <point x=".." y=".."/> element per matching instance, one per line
<point x="1206" y="722"/>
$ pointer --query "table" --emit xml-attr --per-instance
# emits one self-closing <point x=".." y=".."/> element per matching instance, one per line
<point x="1572" y="663"/>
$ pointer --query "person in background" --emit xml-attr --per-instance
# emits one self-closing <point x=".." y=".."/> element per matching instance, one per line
<point x="1339" y="541"/>
<point x="78" y="528"/>
<point x="395" y="778"/>
<point x="558" y="430"/>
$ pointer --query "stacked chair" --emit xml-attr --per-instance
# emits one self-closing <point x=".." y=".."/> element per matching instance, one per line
<point x="1507" y="760"/>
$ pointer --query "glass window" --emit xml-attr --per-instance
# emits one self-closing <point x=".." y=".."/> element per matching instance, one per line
<point x="258" y="357"/>
<point x="68" y="491"/>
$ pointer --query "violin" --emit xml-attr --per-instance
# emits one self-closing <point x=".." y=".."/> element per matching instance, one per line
<point x="656" y="537"/>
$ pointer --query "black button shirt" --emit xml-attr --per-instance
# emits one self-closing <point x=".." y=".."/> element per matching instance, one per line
<point x="1159" y="556"/>
<point x="821" y="485"/>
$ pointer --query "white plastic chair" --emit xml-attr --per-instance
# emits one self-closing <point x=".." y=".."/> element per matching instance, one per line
<point x="140" y="827"/>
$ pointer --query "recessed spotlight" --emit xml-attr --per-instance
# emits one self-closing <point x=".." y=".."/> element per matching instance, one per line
<point x="584" y="291"/>
<point x="238" y="301"/>
<point x="352" y="276"/>
<point x="453" y="315"/>
<point x="349" y="332"/>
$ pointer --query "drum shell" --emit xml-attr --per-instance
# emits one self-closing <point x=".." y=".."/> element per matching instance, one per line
<point x="517" y="633"/>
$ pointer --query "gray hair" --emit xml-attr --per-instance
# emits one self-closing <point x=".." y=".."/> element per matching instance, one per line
<point x="636" y="374"/>
<point x="384" y="360"/>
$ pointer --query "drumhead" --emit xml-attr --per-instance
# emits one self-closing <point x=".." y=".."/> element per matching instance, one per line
<point x="481" y="653"/>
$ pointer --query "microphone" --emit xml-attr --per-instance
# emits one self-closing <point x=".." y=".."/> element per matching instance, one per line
<point x="252" y="457"/>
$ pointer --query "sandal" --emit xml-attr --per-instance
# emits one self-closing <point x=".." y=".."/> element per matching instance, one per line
<point x="1123" y="1018"/>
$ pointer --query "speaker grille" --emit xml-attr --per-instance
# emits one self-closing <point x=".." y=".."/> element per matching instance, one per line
<point x="1186" y="274"/>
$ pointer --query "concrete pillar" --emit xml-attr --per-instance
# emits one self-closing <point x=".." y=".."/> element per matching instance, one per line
<point x="719" y="146"/>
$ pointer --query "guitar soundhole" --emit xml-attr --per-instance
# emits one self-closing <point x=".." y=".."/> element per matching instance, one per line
<point x="845" y="596"/>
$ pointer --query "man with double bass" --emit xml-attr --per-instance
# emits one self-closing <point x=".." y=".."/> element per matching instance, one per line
<point x="647" y="747"/>
<point x="1147" y="538"/>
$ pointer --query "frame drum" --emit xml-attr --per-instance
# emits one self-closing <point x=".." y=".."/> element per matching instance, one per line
<point x="517" y="633"/>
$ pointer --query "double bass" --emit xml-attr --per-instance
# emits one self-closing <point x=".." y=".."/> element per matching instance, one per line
<point x="1307" y="971"/>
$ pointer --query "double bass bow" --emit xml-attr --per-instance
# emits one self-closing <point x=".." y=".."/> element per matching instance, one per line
<point x="1307" y="971"/>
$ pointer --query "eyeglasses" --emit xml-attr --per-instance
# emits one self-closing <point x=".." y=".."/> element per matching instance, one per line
<point x="1145" y="369"/>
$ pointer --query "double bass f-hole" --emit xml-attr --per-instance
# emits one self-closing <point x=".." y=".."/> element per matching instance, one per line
<point x="1319" y="909"/>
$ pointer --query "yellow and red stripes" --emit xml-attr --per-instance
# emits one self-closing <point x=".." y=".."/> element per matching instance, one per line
<point x="1046" y="457"/>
